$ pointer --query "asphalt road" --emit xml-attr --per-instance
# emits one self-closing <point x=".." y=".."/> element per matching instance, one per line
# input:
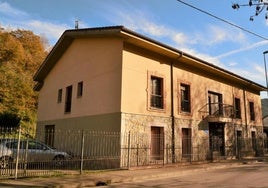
<point x="244" y="176"/>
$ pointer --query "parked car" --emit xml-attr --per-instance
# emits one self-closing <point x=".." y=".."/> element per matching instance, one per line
<point x="5" y="154"/>
<point x="29" y="151"/>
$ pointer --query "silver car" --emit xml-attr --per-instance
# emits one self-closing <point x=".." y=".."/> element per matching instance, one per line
<point x="29" y="151"/>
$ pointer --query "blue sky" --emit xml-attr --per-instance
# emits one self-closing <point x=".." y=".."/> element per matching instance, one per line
<point x="169" y="22"/>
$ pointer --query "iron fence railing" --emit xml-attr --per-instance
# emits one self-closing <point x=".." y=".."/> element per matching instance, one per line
<point x="23" y="155"/>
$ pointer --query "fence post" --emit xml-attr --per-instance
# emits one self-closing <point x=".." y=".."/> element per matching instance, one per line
<point x="82" y="152"/>
<point x="128" y="151"/>
<point x="26" y="156"/>
<point x="198" y="152"/>
<point x="137" y="154"/>
<point x="212" y="144"/>
<point x="167" y="154"/>
<point x="17" y="154"/>
<point x="163" y="140"/>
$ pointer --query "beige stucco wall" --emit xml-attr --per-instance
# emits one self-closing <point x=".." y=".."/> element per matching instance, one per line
<point x="137" y="67"/>
<point x="96" y="62"/>
<point x="117" y="80"/>
<point x="136" y="83"/>
<point x="200" y="85"/>
<point x="103" y="122"/>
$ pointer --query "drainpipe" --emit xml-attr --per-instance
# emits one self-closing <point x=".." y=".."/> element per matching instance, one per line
<point x="172" y="113"/>
<point x="245" y="109"/>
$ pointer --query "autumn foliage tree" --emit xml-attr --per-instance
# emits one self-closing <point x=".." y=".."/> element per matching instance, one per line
<point x="21" y="53"/>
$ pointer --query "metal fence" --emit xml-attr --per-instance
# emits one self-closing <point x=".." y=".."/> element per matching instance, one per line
<point x="24" y="155"/>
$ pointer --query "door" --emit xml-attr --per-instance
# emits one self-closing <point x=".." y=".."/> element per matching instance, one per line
<point x="186" y="143"/>
<point x="216" y="138"/>
<point x="238" y="143"/>
<point x="157" y="143"/>
<point x="254" y="142"/>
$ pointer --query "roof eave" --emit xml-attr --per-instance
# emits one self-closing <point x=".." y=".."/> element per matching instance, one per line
<point x="135" y="38"/>
<point x="65" y="41"/>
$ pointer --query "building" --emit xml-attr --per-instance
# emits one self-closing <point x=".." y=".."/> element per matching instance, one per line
<point x="114" y="79"/>
<point x="264" y="104"/>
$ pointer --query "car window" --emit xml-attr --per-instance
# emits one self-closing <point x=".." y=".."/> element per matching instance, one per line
<point x="11" y="145"/>
<point x="35" y="145"/>
<point x="2" y="140"/>
<point x="14" y="145"/>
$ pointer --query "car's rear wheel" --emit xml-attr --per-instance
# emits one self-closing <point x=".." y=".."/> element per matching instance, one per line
<point x="59" y="160"/>
<point x="4" y="162"/>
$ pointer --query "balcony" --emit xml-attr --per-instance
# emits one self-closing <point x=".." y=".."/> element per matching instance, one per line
<point x="217" y="112"/>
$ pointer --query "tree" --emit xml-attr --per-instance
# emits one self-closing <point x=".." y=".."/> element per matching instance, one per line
<point x="21" y="53"/>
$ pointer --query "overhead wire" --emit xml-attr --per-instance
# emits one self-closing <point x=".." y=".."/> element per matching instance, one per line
<point x="223" y="20"/>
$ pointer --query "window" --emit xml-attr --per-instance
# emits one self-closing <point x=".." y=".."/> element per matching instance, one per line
<point x="215" y="104"/>
<point x="185" y="98"/>
<point x="251" y="111"/>
<point x="59" y="95"/>
<point x="156" y="92"/>
<point x="80" y="89"/>
<point x="237" y="108"/>
<point x="68" y="99"/>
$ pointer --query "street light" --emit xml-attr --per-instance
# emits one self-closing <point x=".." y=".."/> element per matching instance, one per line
<point x="265" y="70"/>
<point x="259" y="5"/>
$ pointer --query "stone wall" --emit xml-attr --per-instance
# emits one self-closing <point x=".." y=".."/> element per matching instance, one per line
<point x="138" y="130"/>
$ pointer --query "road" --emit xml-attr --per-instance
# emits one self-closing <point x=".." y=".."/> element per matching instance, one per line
<point x="248" y="175"/>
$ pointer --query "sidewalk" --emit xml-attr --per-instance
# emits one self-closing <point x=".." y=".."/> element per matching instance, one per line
<point x="117" y="176"/>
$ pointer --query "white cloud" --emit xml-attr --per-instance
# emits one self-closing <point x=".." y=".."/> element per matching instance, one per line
<point x="211" y="35"/>
<point x="50" y="30"/>
<point x="180" y="38"/>
<point x="246" y="48"/>
<point x="217" y="34"/>
<point x="254" y="72"/>
<point x="205" y="57"/>
<point x="6" y="9"/>
<point x="232" y="64"/>
<point x="17" y="19"/>
<point x="137" y="21"/>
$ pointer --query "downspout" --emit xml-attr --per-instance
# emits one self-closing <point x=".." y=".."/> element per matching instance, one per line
<point x="172" y="113"/>
<point x="172" y="110"/>
<point x="245" y="109"/>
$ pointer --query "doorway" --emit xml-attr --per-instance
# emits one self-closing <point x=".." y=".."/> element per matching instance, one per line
<point x="238" y="143"/>
<point x="186" y="143"/>
<point x="157" y="143"/>
<point x="216" y="138"/>
<point x="254" y="142"/>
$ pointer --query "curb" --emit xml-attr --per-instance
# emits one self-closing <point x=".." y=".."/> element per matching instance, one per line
<point x="121" y="176"/>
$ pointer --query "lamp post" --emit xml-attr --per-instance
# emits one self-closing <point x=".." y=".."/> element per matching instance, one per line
<point x="265" y="70"/>
<point x="259" y="5"/>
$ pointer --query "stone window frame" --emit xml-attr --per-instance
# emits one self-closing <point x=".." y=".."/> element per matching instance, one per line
<point x="163" y="77"/>
<point x="180" y="111"/>
<point x="240" y="109"/>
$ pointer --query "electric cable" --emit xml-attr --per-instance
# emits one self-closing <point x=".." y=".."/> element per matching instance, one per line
<point x="223" y="20"/>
